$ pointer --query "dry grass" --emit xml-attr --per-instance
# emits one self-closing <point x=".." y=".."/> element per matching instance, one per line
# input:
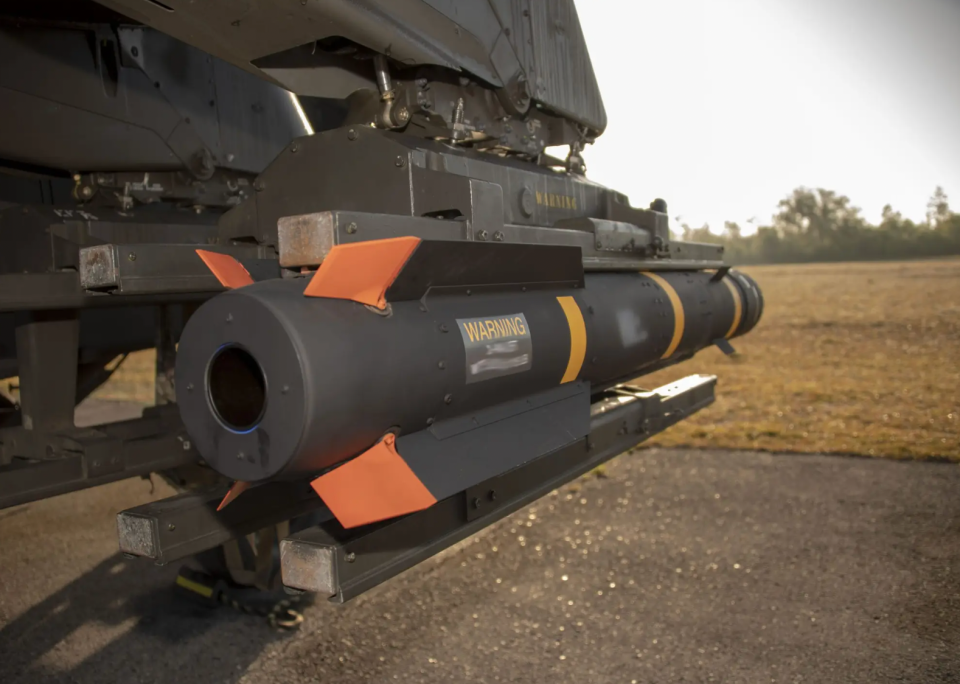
<point x="856" y="358"/>
<point x="852" y="358"/>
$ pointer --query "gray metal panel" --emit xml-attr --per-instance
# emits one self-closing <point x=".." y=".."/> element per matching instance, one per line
<point x="563" y="78"/>
<point x="545" y="39"/>
<point x="70" y="107"/>
<point x="409" y="31"/>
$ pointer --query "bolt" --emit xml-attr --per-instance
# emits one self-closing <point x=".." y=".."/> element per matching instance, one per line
<point x="171" y="527"/>
<point x="441" y="365"/>
<point x="350" y="557"/>
<point x="476" y="503"/>
<point x="448" y="399"/>
<point x="401" y="162"/>
<point x="482" y="235"/>
<point x="351" y="228"/>
<point x="132" y="256"/>
<point x="351" y="134"/>
<point x="498" y="236"/>
<point x="403" y="115"/>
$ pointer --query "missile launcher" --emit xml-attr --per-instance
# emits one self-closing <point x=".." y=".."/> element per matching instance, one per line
<point x="385" y="316"/>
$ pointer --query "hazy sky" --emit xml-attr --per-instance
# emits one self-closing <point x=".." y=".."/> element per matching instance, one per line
<point x="723" y="107"/>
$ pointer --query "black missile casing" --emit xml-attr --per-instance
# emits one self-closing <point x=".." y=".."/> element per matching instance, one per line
<point x="273" y="384"/>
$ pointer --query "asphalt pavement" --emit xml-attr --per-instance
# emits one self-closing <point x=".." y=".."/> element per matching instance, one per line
<point x="679" y="566"/>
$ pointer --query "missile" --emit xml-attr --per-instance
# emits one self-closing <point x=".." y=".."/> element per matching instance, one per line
<point x="404" y="370"/>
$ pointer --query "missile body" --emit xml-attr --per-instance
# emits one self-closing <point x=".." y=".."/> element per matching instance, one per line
<point x="275" y="384"/>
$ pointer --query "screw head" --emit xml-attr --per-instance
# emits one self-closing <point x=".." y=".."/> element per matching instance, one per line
<point x="476" y="503"/>
<point x="400" y="162"/>
<point x="498" y="236"/>
<point x="351" y="134"/>
<point x="171" y="527"/>
<point x="294" y="147"/>
<point x="492" y="495"/>
<point x="482" y="235"/>
<point x="350" y="557"/>
<point x="403" y="115"/>
<point x="444" y="328"/>
<point x="351" y="228"/>
<point x="441" y="365"/>
<point x="448" y="399"/>
<point x="132" y="256"/>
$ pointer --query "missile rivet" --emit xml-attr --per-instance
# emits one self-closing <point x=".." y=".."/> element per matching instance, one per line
<point x="476" y="503"/>
<point x="171" y="527"/>
<point x="351" y="134"/>
<point x="523" y="289"/>
<point x="351" y="228"/>
<point x="441" y="365"/>
<point x="448" y="399"/>
<point x="469" y="293"/>
<point x="350" y="557"/>
<point x="444" y="328"/>
<point x="229" y="318"/>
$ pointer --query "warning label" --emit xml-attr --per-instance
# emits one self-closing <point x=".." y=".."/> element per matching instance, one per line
<point x="496" y="346"/>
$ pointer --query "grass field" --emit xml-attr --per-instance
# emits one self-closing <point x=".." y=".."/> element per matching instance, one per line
<point x="853" y="358"/>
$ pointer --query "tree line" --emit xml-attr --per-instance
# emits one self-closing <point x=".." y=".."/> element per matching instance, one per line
<point x="821" y="225"/>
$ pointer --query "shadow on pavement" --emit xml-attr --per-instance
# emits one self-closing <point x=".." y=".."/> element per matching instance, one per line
<point x="124" y="621"/>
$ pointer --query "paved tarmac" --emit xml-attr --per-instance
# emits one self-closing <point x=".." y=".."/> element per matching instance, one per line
<point x="680" y="566"/>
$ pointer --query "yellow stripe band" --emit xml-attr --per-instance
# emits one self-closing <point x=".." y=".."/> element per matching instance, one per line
<point x="195" y="587"/>
<point x="578" y="338"/>
<point x="678" y="320"/>
<point x="737" y="307"/>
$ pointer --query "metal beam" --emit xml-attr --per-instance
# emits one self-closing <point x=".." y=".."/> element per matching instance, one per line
<point x="342" y="564"/>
